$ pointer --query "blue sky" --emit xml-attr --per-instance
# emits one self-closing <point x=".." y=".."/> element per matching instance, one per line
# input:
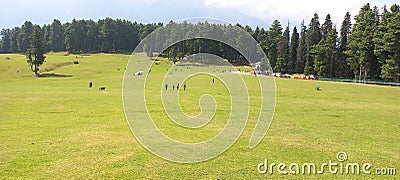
<point x="247" y="12"/>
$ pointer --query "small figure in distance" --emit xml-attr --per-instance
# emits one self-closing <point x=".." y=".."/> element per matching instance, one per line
<point x="177" y="87"/>
<point x="166" y="86"/>
<point x="213" y="80"/>
<point x="184" y="87"/>
<point x="90" y="84"/>
<point x="173" y="87"/>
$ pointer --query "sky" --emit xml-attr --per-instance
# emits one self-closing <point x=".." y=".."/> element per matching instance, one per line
<point x="246" y="12"/>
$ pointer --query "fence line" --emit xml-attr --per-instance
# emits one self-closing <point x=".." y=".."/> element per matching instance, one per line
<point x="385" y="83"/>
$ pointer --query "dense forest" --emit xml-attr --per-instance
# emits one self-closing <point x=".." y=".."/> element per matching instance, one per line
<point x="367" y="49"/>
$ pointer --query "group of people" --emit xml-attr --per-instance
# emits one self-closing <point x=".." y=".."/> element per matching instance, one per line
<point x="177" y="87"/>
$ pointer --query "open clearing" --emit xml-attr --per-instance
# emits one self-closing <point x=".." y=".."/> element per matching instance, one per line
<point x="56" y="127"/>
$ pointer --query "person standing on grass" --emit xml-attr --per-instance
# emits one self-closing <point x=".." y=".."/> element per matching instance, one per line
<point x="173" y="87"/>
<point x="213" y="80"/>
<point x="184" y="87"/>
<point x="177" y="87"/>
<point x="166" y="86"/>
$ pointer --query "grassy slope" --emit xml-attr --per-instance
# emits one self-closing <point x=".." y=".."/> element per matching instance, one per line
<point x="56" y="127"/>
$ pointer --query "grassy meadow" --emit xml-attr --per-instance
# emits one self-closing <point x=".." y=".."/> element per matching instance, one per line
<point x="57" y="127"/>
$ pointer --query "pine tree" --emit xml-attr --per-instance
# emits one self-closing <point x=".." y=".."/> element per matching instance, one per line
<point x="327" y="26"/>
<point x="23" y="37"/>
<point x="387" y="40"/>
<point x="313" y="37"/>
<point x="294" y="44"/>
<point x="262" y="36"/>
<point x="107" y="35"/>
<point x="343" y="70"/>
<point x="35" y="53"/>
<point x="273" y="36"/>
<point x="92" y="37"/>
<point x="56" y="36"/>
<point x="5" y="41"/>
<point x="324" y="53"/>
<point x="46" y="36"/>
<point x="71" y="37"/>
<point x="283" y="52"/>
<point x="256" y="34"/>
<point x="14" y="40"/>
<point x="374" y="64"/>
<point x="360" y="53"/>
<point x="301" y="50"/>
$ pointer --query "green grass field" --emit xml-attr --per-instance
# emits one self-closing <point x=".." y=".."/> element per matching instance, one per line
<point x="56" y="127"/>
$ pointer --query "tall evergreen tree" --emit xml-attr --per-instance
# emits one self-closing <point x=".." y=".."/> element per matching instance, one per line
<point x="92" y="37"/>
<point x="313" y="37"/>
<point x="327" y="26"/>
<point x="375" y="65"/>
<point x="23" y="37"/>
<point x="5" y="41"/>
<point x="249" y="30"/>
<point x="361" y="56"/>
<point x="271" y="42"/>
<point x="387" y="40"/>
<point x="71" y="38"/>
<point x="56" y="36"/>
<point x="35" y="52"/>
<point x="324" y="53"/>
<point x="343" y="69"/>
<point x="301" y="50"/>
<point x="294" y="44"/>
<point x="283" y="52"/>
<point x="262" y="36"/>
<point x="14" y="40"/>
<point x="256" y="34"/>
<point x="46" y="36"/>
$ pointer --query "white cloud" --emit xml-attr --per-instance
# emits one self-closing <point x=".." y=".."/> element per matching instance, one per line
<point x="294" y="10"/>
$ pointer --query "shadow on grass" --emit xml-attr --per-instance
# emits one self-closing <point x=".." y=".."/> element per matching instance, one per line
<point x="50" y="75"/>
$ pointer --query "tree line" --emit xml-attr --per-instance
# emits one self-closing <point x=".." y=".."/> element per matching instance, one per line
<point x="367" y="49"/>
<point x="78" y="36"/>
<point x="178" y="40"/>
